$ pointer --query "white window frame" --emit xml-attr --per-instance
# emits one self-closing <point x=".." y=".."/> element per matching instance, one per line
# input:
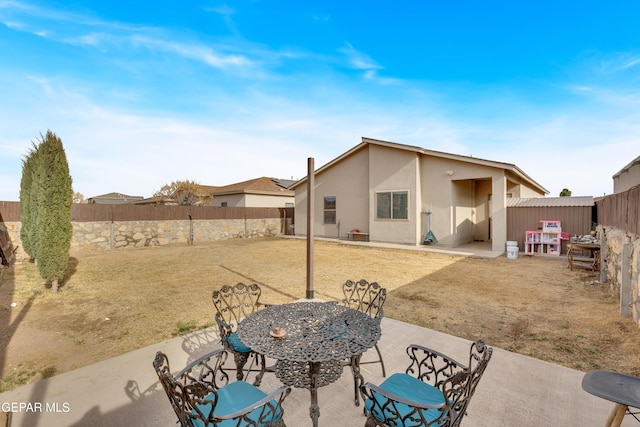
<point x="325" y="210"/>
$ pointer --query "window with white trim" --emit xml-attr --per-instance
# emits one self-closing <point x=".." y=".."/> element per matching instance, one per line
<point x="330" y="209"/>
<point x="392" y="205"/>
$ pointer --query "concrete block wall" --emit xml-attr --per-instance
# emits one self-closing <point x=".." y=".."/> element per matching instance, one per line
<point x="128" y="234"/>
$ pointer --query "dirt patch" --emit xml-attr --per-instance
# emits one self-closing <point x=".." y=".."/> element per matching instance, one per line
<point x="118" y="301"/>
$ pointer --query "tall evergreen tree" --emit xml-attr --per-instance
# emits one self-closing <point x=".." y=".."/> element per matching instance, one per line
<point x="26" y="187"/>
<point x="54" y="195"/>
<point x="35" y="197"/>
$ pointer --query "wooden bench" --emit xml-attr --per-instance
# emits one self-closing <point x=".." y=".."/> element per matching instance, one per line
<point x="357" y="235"/>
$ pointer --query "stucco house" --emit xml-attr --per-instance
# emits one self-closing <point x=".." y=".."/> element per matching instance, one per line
<point x="260" y="192"/>
<point x="114" y="199"/>
<point x="627" y="177"/>
<point x="385" y="189"/>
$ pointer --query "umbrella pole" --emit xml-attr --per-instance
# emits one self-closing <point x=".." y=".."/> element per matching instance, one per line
<point x="310" y="221"/>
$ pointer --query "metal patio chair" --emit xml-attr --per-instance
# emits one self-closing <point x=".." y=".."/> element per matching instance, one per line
<point x="201" y="395"/>
<point x="434" y="391"/>
<point x="232" y="304"/>
<point x="367" y="298"/>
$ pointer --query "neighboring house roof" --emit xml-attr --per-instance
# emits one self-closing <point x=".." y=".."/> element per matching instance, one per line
<point x="263" y="185"/>
<point x="286" y="183"/>
<point x="154" y="201"/>
<point x="366" y="141"/>
<point x="546" y="202"/>
<point x="627" y="167"/>
<point x="115" y="198"/>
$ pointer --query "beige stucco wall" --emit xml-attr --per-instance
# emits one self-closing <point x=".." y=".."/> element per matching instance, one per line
<point x="460" y="215"/>
<point x="526" y="192"/>
<point x="266" y="201"/>
<point x="458" y="194"/>
<point x="498" y="210"/>
<point x="481" y="211"/>
<point x="438" y="195"/>
<point x="232" y="200"/>
<point x="517" y="187"/>
<point x="348" y="181"/>
<point x="394" y="170"/>
<point x="253" y="200"/>
<point x="627" y="179"/>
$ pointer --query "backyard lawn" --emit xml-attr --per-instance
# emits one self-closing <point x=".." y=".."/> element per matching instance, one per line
<point x="117" y="301"/>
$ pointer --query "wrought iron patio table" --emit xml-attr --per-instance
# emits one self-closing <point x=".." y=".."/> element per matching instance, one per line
<point x="318" y="337"/>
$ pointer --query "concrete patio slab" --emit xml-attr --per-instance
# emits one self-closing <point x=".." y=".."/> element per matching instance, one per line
<point x="123" y="391"/>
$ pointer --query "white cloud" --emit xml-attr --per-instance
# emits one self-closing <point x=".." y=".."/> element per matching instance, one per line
<point x="110" y="149"/>
<point x="223" y="9"/>
<point x="236" y="131"/>
<point x="193" y="51"/>
<point x="619" y="62"/>
<point x="82" y="30"/>
<point x="358" y="60"/>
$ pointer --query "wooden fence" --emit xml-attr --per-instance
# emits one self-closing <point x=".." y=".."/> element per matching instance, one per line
<point x="83" y="212"/>
<point x="621" y="211"/>
<point x="9" y="211"/>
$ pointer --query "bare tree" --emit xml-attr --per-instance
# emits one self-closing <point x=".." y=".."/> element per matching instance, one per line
<point x="78" y="198"/>
<point x="183" y="193"/>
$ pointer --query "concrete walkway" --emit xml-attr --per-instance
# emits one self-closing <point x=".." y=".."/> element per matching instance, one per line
<point x="472" y="249"/>
<point x="123" y="391"/>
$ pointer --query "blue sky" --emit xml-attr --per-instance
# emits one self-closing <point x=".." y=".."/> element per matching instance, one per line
<point x="143" y="93"/>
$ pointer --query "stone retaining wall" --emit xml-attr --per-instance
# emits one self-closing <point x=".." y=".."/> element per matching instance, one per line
<point x="127" y="234"/>
<point x="620" y="267"/>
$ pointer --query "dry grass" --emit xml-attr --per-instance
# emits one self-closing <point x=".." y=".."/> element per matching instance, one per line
<point x="117" y="301"/>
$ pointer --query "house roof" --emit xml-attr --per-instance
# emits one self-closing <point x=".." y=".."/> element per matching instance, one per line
<point x="286" y="183"/>
<point x="262" y="185"/>
<point x="154" y="201"/>
<point x="469" y="159"/>
<point x="116" y="196"/>
<point x="627" y="167"/>
<point x="545" y="202"/>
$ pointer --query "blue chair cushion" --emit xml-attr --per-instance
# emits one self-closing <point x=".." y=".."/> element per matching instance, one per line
<point x="407" y="387"/>
<point x="235" y="397"/>
<point x="237" y="345"/>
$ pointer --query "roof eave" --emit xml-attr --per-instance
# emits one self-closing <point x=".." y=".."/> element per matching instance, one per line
<point x="416" y="149"/>
<point x="627" y="167"/>
<point x="258" y="192"/>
